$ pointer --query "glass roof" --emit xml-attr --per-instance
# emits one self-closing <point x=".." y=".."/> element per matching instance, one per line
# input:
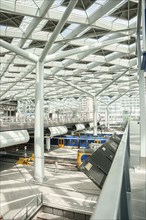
<point x="102" y="34"/>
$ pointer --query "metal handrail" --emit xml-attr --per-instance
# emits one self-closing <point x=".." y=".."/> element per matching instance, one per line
<point x="114" y="200"/>
<point x="30" y="208"/>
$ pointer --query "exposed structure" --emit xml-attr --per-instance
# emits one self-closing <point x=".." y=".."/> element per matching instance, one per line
<point x="77" y="62"/>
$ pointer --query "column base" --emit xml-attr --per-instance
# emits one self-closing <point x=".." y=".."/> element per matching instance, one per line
<point x="40" y="180"/>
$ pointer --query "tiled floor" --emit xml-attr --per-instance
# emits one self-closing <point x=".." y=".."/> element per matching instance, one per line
<point x="138" y="177"/>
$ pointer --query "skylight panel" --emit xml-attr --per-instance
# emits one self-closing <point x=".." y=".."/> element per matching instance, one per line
<point x="95" y="6"/>
<point x="66" y="32"/>
<point x="2" y="27"/>
<point x="133" y="21"/>
<point x="15" y="41"/>
<point x="73" y="26"/>
<point x="25" y="22"/>
<point x="36" y="3"/>
<point x="79" y="12"/>
<point x="101" y="2"/>
<point x="121" y="21"/>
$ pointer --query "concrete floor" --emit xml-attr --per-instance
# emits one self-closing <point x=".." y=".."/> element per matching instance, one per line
<point x="15" y="191"/>
<point x="64" y="188"/>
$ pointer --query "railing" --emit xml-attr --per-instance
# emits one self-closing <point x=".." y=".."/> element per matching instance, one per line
<point x="30" y="208"/>
<point x="114" y="200"/>
<point x="30" y="121"/>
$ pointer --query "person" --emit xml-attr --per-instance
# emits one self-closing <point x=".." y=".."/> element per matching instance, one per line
<point x="99" y="126"/>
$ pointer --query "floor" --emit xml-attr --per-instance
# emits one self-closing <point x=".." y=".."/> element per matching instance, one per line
<point x="65" y="188"/>
<point x="15" y="192"/>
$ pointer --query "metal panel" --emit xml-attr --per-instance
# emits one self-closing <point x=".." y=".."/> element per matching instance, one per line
<point x="89" y="125"/>
<point x="116" y="138"/>
<point x="106" y="150"/>
<point x="97" y="166"/>
<point x="100" y="159"/>
<point x="10" y="138"/>
<point x="78" y="127"/>
<point x="55" y="131"/>
<point x="112" y="145"/>
<point x="93" y="172"/>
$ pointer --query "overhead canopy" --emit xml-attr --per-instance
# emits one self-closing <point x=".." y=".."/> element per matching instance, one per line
<point x="10" y="138"/>
<point x="78" y="127"/>
<point x="89" y="125"/>
<point x="56" y="131"/>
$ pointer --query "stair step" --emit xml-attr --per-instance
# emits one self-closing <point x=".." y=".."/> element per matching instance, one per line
<point x="47" y="216"/>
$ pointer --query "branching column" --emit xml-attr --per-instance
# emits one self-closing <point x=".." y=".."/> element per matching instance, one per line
<point x="39" y="123"/>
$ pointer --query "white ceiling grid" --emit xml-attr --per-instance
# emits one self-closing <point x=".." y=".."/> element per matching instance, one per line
<point x="29" y="24"/>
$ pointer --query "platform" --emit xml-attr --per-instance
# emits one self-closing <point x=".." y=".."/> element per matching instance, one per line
<point x="63" y="189"/>
<point x="70" y="190"/>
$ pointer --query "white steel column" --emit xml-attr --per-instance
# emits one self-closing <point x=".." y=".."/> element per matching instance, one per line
<point x="142" y="97"/>
<point x="39" y="99"/>
<point x="39" y="124"/>
<point x="94" y="116"/>
<point x="48" y="143"/>
<point x="19" y="51"/>
<point x="107" y="117"/>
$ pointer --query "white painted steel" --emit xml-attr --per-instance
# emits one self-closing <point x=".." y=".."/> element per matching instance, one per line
<point x="74" y="86"/>
<point x="114" y="80"/>
<point x="142" y="114"/>
<point x="105" y="209"/>
<point x="39" y="124"/>
<point x="39" y="98"/>
<point x="142" y="96"/>
<point x="79" y="127"/>
<point x="144" y="23"/>
<point x="57" y="29"/>
<point x="94" y="116"/>
<point x="47" y="143"/>
<point x="90" y="47"/>
<point x="10" y="138"/>
<point x="59" y="130"/>
<point x="91" y="125"/>
<point x="19" y="51"/>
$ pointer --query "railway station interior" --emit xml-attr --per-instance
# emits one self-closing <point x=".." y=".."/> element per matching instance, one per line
<point x="73" y="109"/>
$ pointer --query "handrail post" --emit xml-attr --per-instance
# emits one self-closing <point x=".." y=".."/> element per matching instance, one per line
<point x="41" y="197"/>
<point x="26" y="211"/>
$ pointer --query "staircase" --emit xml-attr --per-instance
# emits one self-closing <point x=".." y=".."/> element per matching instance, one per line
<point x="49" y="213"/>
